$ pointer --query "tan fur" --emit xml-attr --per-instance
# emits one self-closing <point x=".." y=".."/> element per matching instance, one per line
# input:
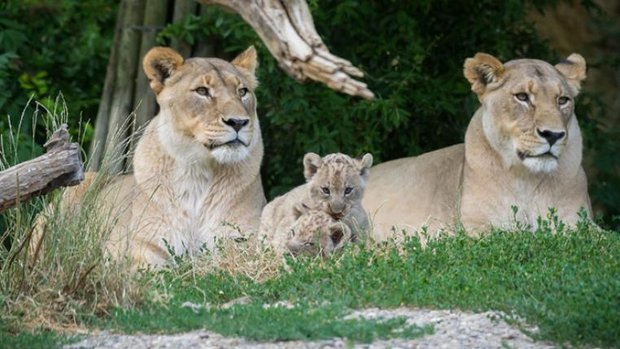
<point x="315" y="232"/>
<point x="327" y="181"/>
<point x="506" y="160"/>
<point x="196" y="167"/>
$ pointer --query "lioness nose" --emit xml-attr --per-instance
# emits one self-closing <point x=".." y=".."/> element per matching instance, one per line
<point x="236" y="124"/>
<point x="551" y="136"/>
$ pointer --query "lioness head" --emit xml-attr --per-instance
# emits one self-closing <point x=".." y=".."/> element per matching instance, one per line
<point x="336" y="181"/>
<point x="527" y="106"/>
<point x="208" y="107"/>
<point x="316" y="232"/>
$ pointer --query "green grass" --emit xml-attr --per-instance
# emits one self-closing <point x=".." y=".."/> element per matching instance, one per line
<point x="566" y="283"/>
<point x="29" y="340"/>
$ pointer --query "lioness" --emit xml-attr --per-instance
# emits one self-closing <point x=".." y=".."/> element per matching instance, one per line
<point x="335" y="185"/>
<point x="522" y="148"/>
<point x="196" y="167"/>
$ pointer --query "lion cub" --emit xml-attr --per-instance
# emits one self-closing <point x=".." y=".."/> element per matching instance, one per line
<point x="335" y="185"/>
<point x="316" y="233"/>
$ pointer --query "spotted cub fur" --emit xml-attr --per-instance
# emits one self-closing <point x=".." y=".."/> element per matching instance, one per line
<point x="316" y="233"/>
<point x="335" y="185"/>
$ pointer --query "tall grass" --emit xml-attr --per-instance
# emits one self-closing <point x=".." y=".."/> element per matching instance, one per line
<point x="53" y="268"/>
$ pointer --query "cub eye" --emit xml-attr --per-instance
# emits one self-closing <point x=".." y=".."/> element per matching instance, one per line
<point x="203" y="91"/>
<point x="523" y="97"/>
<point x="242" y="92"/>
<point x="309" y="243"/>
<point x="563" y="100"/>
<point x="348" y="190"/>
<point x="325" y="190"/>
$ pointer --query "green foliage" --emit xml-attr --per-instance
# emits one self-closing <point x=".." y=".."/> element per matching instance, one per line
<point x="49" y="47"/>
<point x="566" y="282"/>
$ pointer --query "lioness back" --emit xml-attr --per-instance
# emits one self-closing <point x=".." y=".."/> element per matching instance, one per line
<point x="522" y="149"/>
<point x="411" y="193"/>
<point x="335" y="185"/>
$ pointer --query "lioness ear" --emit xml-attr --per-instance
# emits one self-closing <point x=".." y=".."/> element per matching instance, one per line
<point x="364" y="164"/>
<point x="482" y="70"/>
<point x="574" y="70"/>
<point x="312" y="162"/>
<point x="246" y="60"/>
<point x="159" y="64"/>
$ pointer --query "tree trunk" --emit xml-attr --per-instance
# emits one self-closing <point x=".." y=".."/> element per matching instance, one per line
<point x="60" y="166"/>
<point x="183" y="8"/>
<point x="144" y="102"/>
<point x="97" y="146"/>
<point x="121" y="112"/>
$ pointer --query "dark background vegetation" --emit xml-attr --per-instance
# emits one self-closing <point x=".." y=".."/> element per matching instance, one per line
<point x="411" y="51"/>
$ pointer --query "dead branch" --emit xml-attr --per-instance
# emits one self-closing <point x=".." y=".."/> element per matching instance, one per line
<point x="287" y="29"/>
<point x="60" y="166"/>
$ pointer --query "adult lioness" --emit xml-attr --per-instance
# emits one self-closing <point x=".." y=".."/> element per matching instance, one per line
<point x="522" y="148"/>
<point x="196" y="167"/>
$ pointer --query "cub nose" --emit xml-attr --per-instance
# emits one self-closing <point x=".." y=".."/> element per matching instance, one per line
<point x="236" y="124"/>
<point x="551" y="136"/>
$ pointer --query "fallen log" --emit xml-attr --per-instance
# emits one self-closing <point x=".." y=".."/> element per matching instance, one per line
<point x="60" y="166"/>
<point x="287" y="29"/>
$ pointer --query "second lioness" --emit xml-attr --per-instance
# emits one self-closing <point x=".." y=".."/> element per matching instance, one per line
<point x="335" y="185"/>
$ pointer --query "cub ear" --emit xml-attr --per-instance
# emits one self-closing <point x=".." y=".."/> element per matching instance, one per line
<point x="246" y="61"/>
<point x="574" y="70"/>
<point x="312" y="162"/>
<point x="364" y="164"/>
<point x="159" y="64"/>
<point x="482" y="70"/>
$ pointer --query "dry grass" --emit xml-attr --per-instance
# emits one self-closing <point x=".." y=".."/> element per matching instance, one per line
<point x="67" y="277"/>
<point x="251" y="257"/>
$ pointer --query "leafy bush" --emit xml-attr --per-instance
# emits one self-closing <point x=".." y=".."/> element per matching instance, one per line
<point x="50" y="47"/>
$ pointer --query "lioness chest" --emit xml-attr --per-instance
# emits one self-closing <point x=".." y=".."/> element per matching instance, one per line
<point x="192" y="218"/>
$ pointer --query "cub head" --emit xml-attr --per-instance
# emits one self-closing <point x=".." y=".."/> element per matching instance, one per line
<point x="315" y="232"/>
<point x="527" y="107"/>
<point x="207" y="105"/>
<point x="336" y="181"/>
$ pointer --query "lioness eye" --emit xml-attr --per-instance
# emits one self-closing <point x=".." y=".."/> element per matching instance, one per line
<point x="203" y="91"/>
<point x="325" y="190"/>
<point x="348" y="190"/>
<point x="563" y="100"/>
<point x="242" y="91"/>
<point x="523" y="97"/>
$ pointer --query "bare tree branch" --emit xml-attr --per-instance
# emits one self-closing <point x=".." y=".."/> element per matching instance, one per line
<point x="287" y="29"/>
